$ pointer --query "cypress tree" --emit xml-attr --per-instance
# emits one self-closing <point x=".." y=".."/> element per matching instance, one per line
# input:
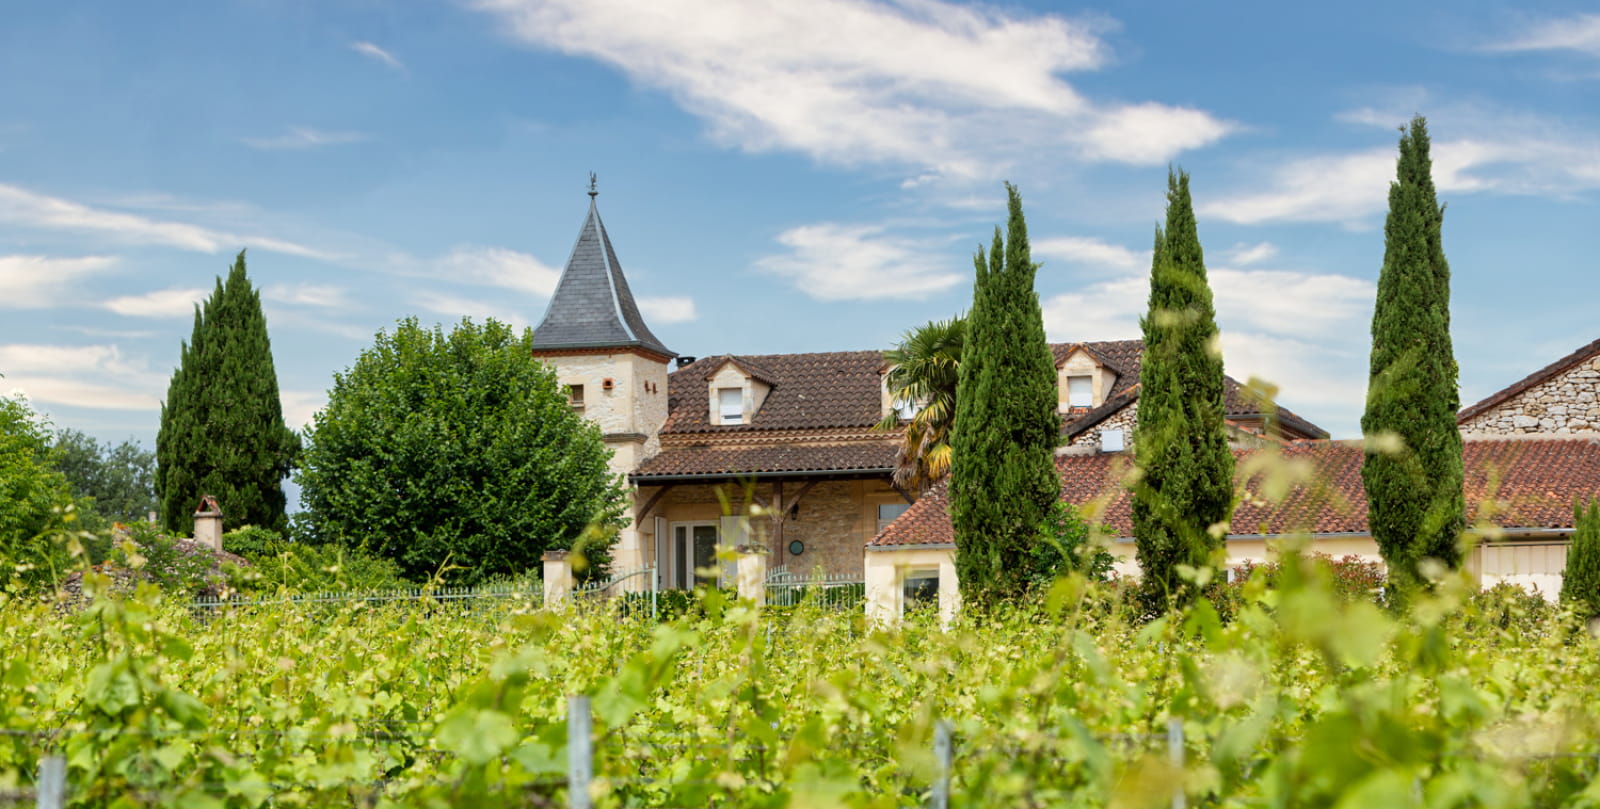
<point x="1580" y="581"/>
<point x="1413" y="467"/>
<point x="1003" y="480"/>
<point x="1184" y="495"/>
<point x="222" y="430"/>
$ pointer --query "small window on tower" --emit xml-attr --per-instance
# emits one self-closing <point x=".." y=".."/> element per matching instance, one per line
<point x="1080" y="391"/>
<point x="575" y="397"/>
<point x="730" y="405"/>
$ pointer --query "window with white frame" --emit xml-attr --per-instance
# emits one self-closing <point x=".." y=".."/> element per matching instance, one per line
<point x="1080" y="391"/>
<point x="730" y="405"/>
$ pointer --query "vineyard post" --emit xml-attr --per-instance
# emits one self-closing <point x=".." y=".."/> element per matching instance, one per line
<point x="51" y="792"/>
<point x="943" y="750"/>
<point x="1175" y="755"/>
<point x="580" y="752"/>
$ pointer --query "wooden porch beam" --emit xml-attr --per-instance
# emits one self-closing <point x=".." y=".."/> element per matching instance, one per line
<point x="654" y="499"/>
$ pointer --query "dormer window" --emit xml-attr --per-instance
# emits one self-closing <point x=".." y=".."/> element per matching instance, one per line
<point x="1080" y="391"/>
<point x="730" y="405"/>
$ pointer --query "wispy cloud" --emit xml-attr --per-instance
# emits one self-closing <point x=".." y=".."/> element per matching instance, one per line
<point x="668" y="310"/>
<point x="494" y="267"/>
<point x="304" y="137"/>
<point x="1087" y="250"/>
<point x="169" y="303"/>
<point x="1580" y="32"/>
<point x="93" y="376"/>
<point x="456" y="307"/>
<point x="299" y="406"/>
<point x="1477" y="147"/>
<point x="23" y="208"/>
<point x="834" y="262"/>
<point x="816" y="78"/>
<point x="325" y="296"/>
<point x="45" y="282"/>
<point x="1244" y="255"/>
<point x="375" y="53"/>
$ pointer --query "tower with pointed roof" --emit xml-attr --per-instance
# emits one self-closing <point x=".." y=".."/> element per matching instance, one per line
<point x="612" y="366"/>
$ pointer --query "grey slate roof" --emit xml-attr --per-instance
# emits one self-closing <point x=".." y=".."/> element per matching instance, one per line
<point x="592" y="306"/>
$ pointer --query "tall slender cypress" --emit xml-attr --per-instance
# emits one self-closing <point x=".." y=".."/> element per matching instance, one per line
<point x="222" y="430"/>
<point x="1184" y="495"/>
<point x="1580" y="579"/>
<point x="1413" y="470"/>
<point x="1003" y="480"/>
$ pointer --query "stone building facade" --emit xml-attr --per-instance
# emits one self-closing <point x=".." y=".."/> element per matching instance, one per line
<point x="1562" y="398"/>
<point x="778" y="451"/>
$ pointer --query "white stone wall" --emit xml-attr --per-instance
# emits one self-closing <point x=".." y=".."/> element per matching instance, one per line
<point x="1088" y="443"/>
<point x="1566" y="404"/>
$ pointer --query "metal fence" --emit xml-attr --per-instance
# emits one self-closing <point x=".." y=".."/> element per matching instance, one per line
<point x="635" y="586"/>
<point x="511" y="592"/>
<point x="787" y="588"/>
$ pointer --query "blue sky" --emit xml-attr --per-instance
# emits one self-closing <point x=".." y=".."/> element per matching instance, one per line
<point x="776" y="176"/>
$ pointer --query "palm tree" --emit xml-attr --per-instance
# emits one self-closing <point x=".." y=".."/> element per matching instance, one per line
<point x="922" y="388"/>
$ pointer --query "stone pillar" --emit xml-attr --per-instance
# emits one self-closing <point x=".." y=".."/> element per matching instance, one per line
<point x="949" y="591"/>
<point x="883" y="585"/>
<point x="558" y="579"/>
<point x="750" y="574"/>
<point x="208" y="522"/>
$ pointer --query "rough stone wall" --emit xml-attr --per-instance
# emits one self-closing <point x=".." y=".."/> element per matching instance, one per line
<point x="835" y="519"/>
<point x="1566" y="404"/>
<point x="636" y="403"/>
<point x="1088" y="443"/>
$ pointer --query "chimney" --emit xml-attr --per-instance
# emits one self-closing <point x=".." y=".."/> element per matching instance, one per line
<point x="208" y="522"/>
<point x="682" y="361"/>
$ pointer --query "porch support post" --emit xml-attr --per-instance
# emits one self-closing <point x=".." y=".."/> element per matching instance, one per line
<point x="779" y="517"/>
<point x="751" y="574"/>
<point x="557" y="579"/>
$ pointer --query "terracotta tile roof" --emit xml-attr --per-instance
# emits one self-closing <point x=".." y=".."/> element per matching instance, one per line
<point x="837" y="389"/>
<point x="1533" y="484"/>
<point x="732" y="461"/>
<point x="744" y="363"/>
<point x="1540" y="376"/>
<point x="842" y="389"/>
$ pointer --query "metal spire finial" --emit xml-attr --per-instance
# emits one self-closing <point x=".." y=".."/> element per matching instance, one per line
<point x="592" y="181"/>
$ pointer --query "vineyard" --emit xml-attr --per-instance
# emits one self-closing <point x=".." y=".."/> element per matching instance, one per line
<point x="1297" y="696"/>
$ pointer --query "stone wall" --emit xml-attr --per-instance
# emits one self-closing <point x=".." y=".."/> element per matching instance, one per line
<point x="1566" y="404"/>
<point x="835" y="519"/>
<point x="1088" y="443"/>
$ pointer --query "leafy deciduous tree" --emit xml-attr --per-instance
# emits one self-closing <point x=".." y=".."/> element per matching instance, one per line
<point x="32" y="496"/>
<point x="118" y="482"/>
<point x="1185" y="490"/>
<point x="455" y="450"/>
<point x="222" y="430"/>
<point x="1003" y="479"/>
<point x="1413" y="470"/>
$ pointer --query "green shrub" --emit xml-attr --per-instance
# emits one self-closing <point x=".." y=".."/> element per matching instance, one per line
<point x="276" y="564"/>
<point x="1063" y="545"/>
<point x="1580" y="581"/>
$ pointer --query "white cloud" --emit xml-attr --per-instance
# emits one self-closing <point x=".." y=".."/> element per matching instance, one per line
<point x="1577" y="33"/>
<point x="303" y="137"/>
<point x="372" y="51"/>
<point x="1246" y="254"/>
<point x="667" y="310"/>
<point x="93" y="376"/>
<point x="498" y="267"/>
<point x="1091" y="251"/>
<point x="44" y="282"/>
<point x="324" y="296"/>
<point x="817" y="78"/>
<point x="179" y="302"/>
<point x="300" y="405"/>
<point x="24" y="208"/>
<point x="1104" y="311"/>
<point x="1327" y="376"/>
<point x="456" y="307"/>
<point x="833" y="262"/>
<point x="1492" y="151"/>
<point x="1291" y="303"/>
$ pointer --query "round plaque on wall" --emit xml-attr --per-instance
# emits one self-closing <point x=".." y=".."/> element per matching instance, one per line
<point x="796" y="548"/>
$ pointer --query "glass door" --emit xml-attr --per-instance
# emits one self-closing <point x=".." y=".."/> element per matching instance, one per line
<point x="694" y="550"/>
